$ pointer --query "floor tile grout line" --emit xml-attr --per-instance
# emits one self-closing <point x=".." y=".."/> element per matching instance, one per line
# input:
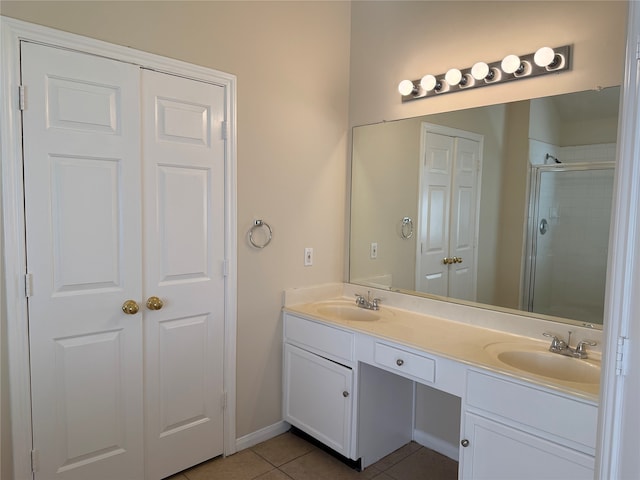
<point x="278" y="466"/>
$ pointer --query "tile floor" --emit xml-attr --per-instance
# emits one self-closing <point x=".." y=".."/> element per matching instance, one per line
<point x="288" y="457"/>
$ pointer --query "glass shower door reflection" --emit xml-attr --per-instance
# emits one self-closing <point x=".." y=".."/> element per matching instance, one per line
<point x="572" y="211"/>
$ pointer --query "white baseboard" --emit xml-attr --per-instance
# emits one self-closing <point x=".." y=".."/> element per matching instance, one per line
<point x="261" y="435"/>
<point x="437" y="444"/>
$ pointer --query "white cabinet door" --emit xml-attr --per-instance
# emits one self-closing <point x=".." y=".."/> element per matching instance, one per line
<point x="183" y="158"/>
<point x="82" y="203"/>
<point x="496" y="451"/>
<point x="317" y="397"/>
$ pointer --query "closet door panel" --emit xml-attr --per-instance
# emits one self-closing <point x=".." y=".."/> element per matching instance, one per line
<point x="82" y="203"/>
<point x="464" y="224"/>
<point x="434" y="207"/>
<point x="183" y="157"/>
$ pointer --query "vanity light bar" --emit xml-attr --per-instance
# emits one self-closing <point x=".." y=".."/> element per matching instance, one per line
<point x="542" y="62"/>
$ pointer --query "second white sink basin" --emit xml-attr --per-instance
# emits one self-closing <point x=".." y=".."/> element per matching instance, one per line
<point x="540" y="361"/>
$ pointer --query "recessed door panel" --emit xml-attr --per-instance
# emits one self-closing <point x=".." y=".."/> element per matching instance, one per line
<point x="184" y="221"/>
<point x="463" y="229"/>
<point x="180" y="121"/>
<point x="439" y="159"/>
<point x="83" y="105"/>
<point x="436" y="222"/>
<point x="86" y="221"/>
<point x="182" y="356"/>
<point x="89" y="372"/>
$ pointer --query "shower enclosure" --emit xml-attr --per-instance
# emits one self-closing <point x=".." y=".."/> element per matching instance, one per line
<point x="569" y="216"/>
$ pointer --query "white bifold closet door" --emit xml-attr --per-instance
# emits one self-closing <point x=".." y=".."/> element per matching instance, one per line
<point x="184" y="266"/>
<point x="448" y="224"/>
<point x="123" y="201"/>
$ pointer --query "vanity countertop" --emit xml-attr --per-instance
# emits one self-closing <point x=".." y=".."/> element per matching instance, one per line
<point x="450" y="339"/>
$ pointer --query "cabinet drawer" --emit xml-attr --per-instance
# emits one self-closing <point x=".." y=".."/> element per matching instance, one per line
<point x="406" y="363"/>
<point x="322" y="339"/>
<point x="544" y="411"/>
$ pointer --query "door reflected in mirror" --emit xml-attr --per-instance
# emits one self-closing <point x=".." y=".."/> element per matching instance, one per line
<point x="456" y="203"/>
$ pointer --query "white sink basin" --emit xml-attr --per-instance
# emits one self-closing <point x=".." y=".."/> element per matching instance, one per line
<point x="540" y="361"/>
<point x="345" y="310"/>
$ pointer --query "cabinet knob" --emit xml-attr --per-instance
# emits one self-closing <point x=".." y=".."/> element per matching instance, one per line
<point x="345" y="394"/>
<point x="400" y="362"/>
<point x="464" y="442"/>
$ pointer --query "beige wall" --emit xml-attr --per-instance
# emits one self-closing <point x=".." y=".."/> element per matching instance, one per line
<point x="291" y="60"/>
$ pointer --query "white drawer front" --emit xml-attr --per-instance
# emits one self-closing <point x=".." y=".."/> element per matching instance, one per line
<point x="406" y="363"/>
<point x="557" y="415"/>
<point x="322" y="339"/>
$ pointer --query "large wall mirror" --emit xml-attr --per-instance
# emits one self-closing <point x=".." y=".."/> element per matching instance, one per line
<point x="506" y="206"/>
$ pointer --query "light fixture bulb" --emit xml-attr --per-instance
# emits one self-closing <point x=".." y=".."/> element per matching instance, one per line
<point x="406" y="87"/>
<point x="480" y="70"/>
<point x="428" y="82"/>
<point x="510" y="64"/>
<point x="453" y="76"/>
<point x="544" y="56"/>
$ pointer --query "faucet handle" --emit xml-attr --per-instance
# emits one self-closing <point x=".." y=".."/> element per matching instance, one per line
<point x="556" y="343"/>
<point x="580" y="347"/>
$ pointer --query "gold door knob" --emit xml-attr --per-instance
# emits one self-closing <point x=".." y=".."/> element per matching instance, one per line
<point x="457" y="259"/>
<point x="154" y="303"/>
<point x="130" y="307"/>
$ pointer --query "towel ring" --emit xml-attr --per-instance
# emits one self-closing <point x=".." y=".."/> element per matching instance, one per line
<point x="256" y="225"/>
<point x="407" y="223"/>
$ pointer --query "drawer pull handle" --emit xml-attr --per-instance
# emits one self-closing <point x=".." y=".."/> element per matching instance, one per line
<point x="464" y="443"/>
<point x="345" y="394"/>
<point x="400" y="362"/>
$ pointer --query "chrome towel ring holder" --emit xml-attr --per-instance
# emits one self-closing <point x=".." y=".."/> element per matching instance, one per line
<point x="407" y="228"/>
<point x="259" y="224"/>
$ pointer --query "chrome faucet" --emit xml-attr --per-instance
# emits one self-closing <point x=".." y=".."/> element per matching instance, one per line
<point x="563" y="348"/>
<point x="368" y="303"/>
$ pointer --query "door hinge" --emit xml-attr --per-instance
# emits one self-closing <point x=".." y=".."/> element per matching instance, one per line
<point x="35" y="461"/>
<point x="621" y="356"/>
<point x="223" y="400"/>
<point x="21" y="98"/>
<point x="224" y="133"/>
<point x="225" y="268"/>
<point x="28" y="285"/>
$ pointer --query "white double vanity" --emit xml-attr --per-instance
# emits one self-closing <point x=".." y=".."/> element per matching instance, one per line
<point x="351" y="374"/>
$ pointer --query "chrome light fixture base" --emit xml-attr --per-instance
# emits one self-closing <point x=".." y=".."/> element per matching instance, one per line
<point x="495" y="75"/>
